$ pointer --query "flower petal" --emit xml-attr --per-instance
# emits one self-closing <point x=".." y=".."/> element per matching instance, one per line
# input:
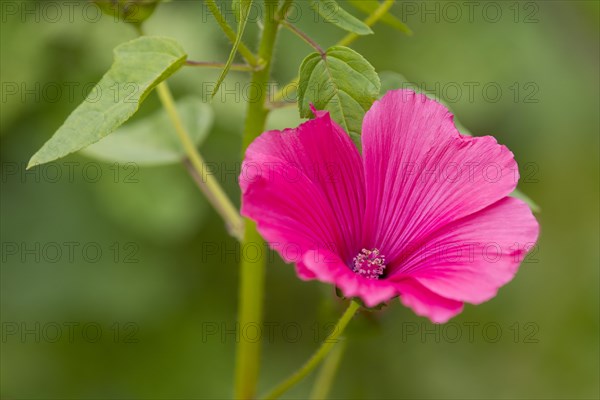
<point x="328" y="267"/>
<point x="421" y="173"/>
<point x="426" y="303"/>
<point x="305" y="189"/>
<point x="470" y="259"/>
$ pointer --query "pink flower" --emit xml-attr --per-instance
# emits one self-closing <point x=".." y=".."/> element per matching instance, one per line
<point x="423" y="214"/>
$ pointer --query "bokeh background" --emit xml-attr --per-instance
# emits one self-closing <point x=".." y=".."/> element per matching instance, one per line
<point x="152" y="315"/>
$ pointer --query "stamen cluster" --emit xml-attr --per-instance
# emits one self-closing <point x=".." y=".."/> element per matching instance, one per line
<point x="369" y="263"/>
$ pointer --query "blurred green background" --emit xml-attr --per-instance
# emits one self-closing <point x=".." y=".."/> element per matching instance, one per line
<point x="144" y="308"/>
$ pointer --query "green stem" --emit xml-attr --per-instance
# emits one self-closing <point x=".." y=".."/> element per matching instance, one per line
<point x="250" y="313"/>
<point x="283" y="11"/>
<point x="257" y="111"/>
<point x="326" y="375"/>
<point x="317" y="357"/>
<point x="252" y="271"/>
<point x="230" y="33"/>
<point x="298" y="32"/>
<point x="208" y="184"/>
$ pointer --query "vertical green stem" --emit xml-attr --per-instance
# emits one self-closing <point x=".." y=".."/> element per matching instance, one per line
<point x="258" y="94"/>
<point x="250" y="312"/>
<point x="252" y="272"/>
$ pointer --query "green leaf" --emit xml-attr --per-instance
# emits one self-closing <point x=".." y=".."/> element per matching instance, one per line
<point x="342" y="82"/>
<point x="393" y="80"/>
<point x="153" y="140"/>
<point x="243" y="8"/>
<point x="138" y="67"/>
<point x="368" y="6"/>
<point x="131" y="11"/>
<point x="333" y="13"/>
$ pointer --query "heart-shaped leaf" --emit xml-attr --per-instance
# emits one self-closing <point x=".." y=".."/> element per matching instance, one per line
<point x="341" y="82"/>
<point x="153" y="140"/>
<point x="138" y="67"/>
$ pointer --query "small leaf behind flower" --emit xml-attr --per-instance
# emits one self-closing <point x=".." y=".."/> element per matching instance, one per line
<point x="139" y="65"/>
<point x="331" y="11"/>
<point x="341" y="82"/>
<point x="522" y="196"/>
<point x="153" y="140"/>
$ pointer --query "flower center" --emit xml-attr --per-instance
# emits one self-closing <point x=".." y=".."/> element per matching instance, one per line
<point x="369" y="263"/>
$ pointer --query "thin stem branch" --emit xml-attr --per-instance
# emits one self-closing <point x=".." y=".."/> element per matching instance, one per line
<point x="252" y="271"/>
<point x="238" y="231"/>
<point x="208" y="184"/>
<point x="318" y="356"/>
<point x="283" y="11"/>
<point x="208" y="64"/>
<point x="327" y="372"/>
<point x="293" y="28"/>
<point x="375" y="16"/>
<point x="230" y="33"/>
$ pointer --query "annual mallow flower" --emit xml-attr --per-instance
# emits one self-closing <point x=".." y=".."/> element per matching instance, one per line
<point x="423" y="213"/>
